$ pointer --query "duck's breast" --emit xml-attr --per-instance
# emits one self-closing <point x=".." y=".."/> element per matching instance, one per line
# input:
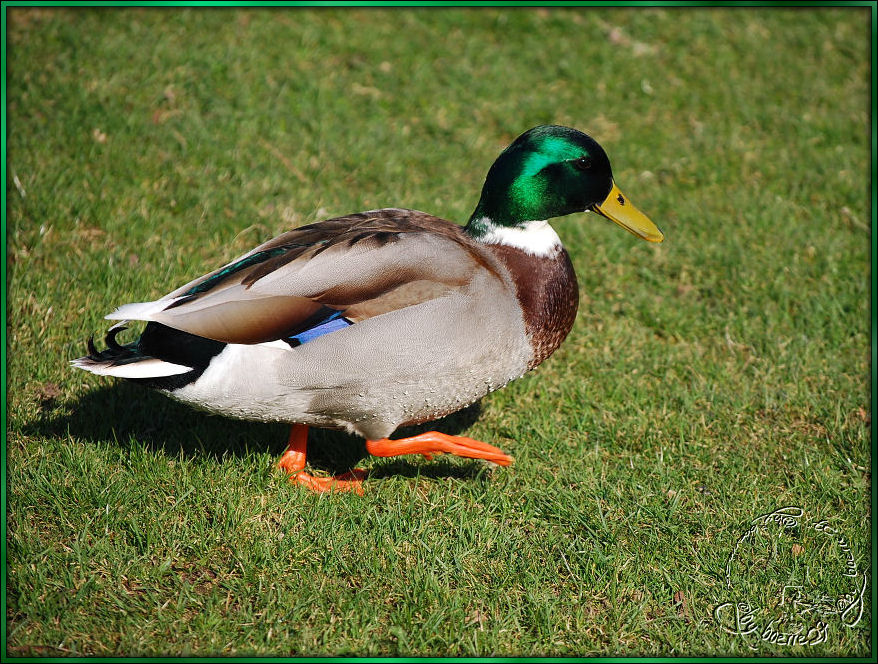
<point x="548" y="293"/>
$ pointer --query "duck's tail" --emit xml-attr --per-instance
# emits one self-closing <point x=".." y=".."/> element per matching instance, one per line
<point x="126" y="361"/>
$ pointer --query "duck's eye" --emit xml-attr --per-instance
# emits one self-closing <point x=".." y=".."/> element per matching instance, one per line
<point x="582" y="164"/>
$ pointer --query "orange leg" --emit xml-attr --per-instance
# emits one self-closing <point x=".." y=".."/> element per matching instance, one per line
<point x="434" y="442"/>
<point x="293" y="462"/>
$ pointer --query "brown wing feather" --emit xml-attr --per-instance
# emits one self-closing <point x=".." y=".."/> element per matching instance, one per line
<point x="364" y="264"/>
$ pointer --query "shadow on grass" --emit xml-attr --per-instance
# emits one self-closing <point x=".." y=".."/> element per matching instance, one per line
<point x="128" y="415"/>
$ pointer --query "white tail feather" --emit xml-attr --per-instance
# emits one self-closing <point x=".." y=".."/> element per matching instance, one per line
<point x="146" y="368"/>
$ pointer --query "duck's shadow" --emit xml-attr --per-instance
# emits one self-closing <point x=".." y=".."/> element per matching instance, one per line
<point x="126" y="414"/>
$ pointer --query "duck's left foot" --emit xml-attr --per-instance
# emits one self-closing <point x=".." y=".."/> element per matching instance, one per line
<point x="350" y="481"/>
<point x="293" y="462"/>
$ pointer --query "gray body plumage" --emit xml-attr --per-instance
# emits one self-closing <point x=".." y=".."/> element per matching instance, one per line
<point x="406" y="366"/>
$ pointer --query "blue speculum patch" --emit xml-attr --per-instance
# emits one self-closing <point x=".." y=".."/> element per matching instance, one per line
<point x="335" y="322"/>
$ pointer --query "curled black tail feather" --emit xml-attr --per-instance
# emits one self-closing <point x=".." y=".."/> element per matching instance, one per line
<point x="115" y="353"/>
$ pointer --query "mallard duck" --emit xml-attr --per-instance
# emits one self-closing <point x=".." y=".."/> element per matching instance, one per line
<point x="385" y="318"/>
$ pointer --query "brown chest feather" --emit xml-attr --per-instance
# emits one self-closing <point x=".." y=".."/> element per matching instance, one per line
<point x="548" y="293"/>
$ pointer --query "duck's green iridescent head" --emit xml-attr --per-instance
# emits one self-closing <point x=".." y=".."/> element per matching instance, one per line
<point x="551" y="171"/>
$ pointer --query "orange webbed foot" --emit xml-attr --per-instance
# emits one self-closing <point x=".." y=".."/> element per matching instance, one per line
<point x="350" y="481"/>
<point x="434" y="442"/>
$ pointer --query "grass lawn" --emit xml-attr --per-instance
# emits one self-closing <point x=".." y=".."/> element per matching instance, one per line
<point x="714" y="378"/>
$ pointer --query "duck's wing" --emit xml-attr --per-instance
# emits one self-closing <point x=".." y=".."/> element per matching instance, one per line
<point x="357" y="266"/>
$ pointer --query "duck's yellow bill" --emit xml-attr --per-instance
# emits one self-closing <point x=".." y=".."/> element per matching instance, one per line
<point x="619" y="209"/>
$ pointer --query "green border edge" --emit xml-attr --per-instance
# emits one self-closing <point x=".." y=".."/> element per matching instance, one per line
<point x="872" y="4"/>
